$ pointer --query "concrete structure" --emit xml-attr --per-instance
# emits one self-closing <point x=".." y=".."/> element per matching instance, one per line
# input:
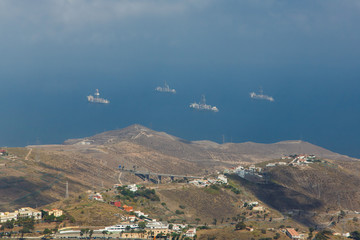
<point x="139" y="214"/>
<point x="8" y="216"/>
<point x="222" y="179"/>
<point x="29" y="212"/>
<point x="55" y="212"/>
<point x="132" y="187"/>
<point x="291" y="233"/>
<point x="191" y="232"/>
<point x="96" y="196"/>
<point x="128" y="208"/>
<point x="121" y="227"/>
<point x="157" y="227"/>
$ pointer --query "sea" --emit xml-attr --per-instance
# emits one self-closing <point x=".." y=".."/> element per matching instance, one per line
<point x="314" y="104"/>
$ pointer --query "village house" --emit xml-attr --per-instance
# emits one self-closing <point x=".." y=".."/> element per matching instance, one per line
<point x="56" y="212"/>
<point x="258" y="208"/>
<point x="191" y="232"/>
<point x="96" y="196"/>
<point x="157" y="227"/>
<point x="117" y="204"/>
<point x="222" y="179"/>
<point x="293" y="234"/>
<point x="132" y="218"/>
<point x="28" y="212"/>
<point x="253" y="203"/>
<point x="128" y="208"/>
<point x="270" y="165"/>
<point x="200" y="183"/>
<point x="8" y="216"/>
<point x="3" y="152"/>
<point x="134" y="235"/>
<point x="132" y="187"/>
<point x="178" y="227"/>
<point x="121" y="227"/>
<point x="139" y="214"/>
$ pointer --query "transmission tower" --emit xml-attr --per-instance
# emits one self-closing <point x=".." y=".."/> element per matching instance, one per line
<point x="67" y="190"/>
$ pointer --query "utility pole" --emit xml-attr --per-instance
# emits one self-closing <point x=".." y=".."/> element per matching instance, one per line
<point x="67" y="190"/>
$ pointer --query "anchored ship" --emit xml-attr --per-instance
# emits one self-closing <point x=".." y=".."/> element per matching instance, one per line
<point x="166" y="88"/>
<point x="96" y="98"/>
<point x="261" y="96"/>
<point x="203" y="106"/>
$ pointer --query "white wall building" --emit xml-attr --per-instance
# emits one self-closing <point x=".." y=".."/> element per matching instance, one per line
<point x="8" y="216"/>
<point x="29" y="212"/>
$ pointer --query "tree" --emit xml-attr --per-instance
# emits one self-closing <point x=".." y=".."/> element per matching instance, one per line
<point x="240" y="226"/>
<point x="9" y="224"/>
<point x="215" y="221"/>
<point x="82" y="231"/>
<point x="323" y="235"/>
<point x="47" y="231"/>
<point x="277" y="236"/>
<point x="197" y="220"/>
<point x="142" y="225"/>
<point x="91" y="232"/>
<point x="105" y="232"/>
<point x="86" y="232"/>
<point x="179" y="212"/>
<point x="355" y="235"/>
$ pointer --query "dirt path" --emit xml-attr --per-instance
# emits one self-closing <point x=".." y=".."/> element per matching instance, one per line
<point x="27" y="156"/>
<point x="120" y="177"/>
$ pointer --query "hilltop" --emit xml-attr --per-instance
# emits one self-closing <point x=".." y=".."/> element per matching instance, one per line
<point x="37" y="175"/>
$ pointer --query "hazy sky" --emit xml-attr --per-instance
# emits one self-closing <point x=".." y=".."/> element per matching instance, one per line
<point x="103" y="35"/>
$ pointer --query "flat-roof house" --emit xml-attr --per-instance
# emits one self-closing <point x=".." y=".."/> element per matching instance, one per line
<point x="292" y="233"/>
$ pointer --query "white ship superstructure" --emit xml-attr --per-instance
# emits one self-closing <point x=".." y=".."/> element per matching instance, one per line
<point x="96" y="98"/>
<point x="203" y="106"/>
<point x="261" y="96"/>
<point x="166" y="88"/>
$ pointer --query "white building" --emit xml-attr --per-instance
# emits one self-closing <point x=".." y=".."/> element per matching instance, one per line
<point x="253" y="203"/>
<point x="97" y="197"/>
<point x="178" y="227"/>
<point x="191" y="232"/>
<point x="8" y="216"/>
<point x="132" y="187"/>
<point x="29" y="212"/>
<point x="55" y="212"/>
<point x="139" y="214"/>
<point x="121" y="227"/>
<point x="222" y="179"/>
<point x="157" y="225"/>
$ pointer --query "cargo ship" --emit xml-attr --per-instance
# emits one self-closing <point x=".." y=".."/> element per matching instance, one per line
<point x="203" y="106"/>
<point x="165" y="88"/>
<point x="261" y="96"/>
<point x="96" y="98"/>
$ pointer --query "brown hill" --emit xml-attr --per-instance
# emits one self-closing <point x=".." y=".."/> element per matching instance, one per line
<point x="39" y="173"/>
<point x="203" y="153"/>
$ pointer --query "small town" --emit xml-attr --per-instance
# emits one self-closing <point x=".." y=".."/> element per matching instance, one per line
<point x="135" y="224"/>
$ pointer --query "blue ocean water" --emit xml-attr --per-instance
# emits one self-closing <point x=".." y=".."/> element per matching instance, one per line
<point x="311" y="104"/>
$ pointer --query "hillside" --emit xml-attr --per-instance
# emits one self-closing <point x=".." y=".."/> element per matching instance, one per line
<point x="37" y="175"/>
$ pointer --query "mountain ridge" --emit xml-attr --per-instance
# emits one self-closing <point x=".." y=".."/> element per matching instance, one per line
<point x="141" y="135"/>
